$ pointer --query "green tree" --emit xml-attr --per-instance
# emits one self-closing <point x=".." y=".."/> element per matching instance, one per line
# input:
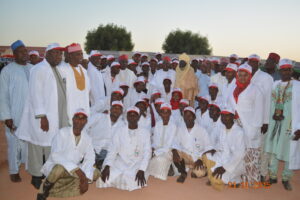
<point x="185" y="41"/>
<point x="108" y="37"/>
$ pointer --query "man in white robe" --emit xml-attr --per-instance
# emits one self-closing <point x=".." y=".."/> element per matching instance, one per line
<point x="101" y="127"/>
<point x="126" y="75"/>
<point x="14" y="84"/>
<point x="138" y="90"/>
<point x="225" y="163"/>
<point x="162" y="141"/>
<point x="202" y="113"/>
<point x="77" y="81"/>
<point x="97" y="92"/>
<point x="219" y="79"/>
<point x="230" y="74"/>
<point x="145" y="119"/>
<point x="128" y="156"/>
<point x="190" y="143"/>
<point x="177" y="115"/>
<point x="69" y="169"/>
<point x="45" y="111"/>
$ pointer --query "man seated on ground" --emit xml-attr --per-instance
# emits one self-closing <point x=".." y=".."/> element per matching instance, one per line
<point x="162" y="140"/>
<point x="225" y="163"/>
<point x="100" y="128"/>
<point x="69" y="167"/>
<point x="128" y="156"/>
<point x="190" y="142"/>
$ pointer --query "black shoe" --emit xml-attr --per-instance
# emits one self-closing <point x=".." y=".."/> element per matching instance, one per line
<point x="272" y="181"/>
<point x="182" y="178"/>
<point x="262" y="179"/>
<point x="287" y="185"/>
<point x="40" y="197"/>
<point x="15" y="178"/>
<point x="36" y="181"/>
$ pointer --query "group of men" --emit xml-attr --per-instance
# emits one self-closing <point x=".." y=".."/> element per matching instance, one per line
<point x="123" y="120"/>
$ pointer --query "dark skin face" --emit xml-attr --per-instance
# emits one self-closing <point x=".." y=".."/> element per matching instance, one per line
<point x="115" y="112"/>
<point x="286" y="74"/>
<point x="153" y="66"/>
<point x="254" y="64"/>
<point x="136" y="58"/>
<point x="214" y="113"/>
<point x="54" y="57"/>
<point x="243" y="77"/>
<point x="154" y="97"/>
<point x="174" y="65"/>
<point x="21" y="55"/>
<point x="123" y="63"/>
<point x="84" y="63"/>
<point x="116" y="97"/>
<point x="142" y="106"/>
<point x="227" y="120"/>
<point x="95" y="60"/>
<point x="203" y="104"/>
<point x="114" y="70"/>
<point x="194" y="64"/>
<point x="165" y="115"/>
<point x="144" y="59"/>
<point x="145" y="69"/>
<point x="218" y="68"/>
<point x="165" y="65"/>
<point x="230" y="75"/>
<point x="139" y="86"/>
<point x="103" y="63"/>
<point x="157" y="107"/>
<point x="125" y="89"/>
<point x="132" y="67"/>
<point x="79" y="121"/>
<point x="270" y="65"/>
<point x="160" y="66"/>
<point x="75" y="58"/>
<point x="176" y="96"/>
<point x="34" y="59"/>
<point x="189" y="118"/>
<point x="133" y="118"/>
<point x="158" y="57"/>
<point x="213" y="92"/>
<point x="232" y="60"/>
<point x="167" y="84"/>
<point x="182" y="64"/>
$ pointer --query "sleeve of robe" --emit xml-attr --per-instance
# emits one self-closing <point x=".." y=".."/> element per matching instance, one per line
<point x="89" y="159"/>
<point x="237" y="152"/>
<point x="4" y="95"/>
<point x="267" y="100"/>
<point x="97" y="84"/>
<point x="147" y="151"/>
<point x="57" y="153"/>
<point x="113" y="149"/>
<point x="35" y="89"/>
<point x="258" y="109"/>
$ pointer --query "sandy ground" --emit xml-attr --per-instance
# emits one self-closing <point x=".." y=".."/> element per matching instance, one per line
<point x="163" y="190"/>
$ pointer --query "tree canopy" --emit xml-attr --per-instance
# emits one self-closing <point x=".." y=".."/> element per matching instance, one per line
<point x="179" y="41"/>
<point x="108" y="37"/>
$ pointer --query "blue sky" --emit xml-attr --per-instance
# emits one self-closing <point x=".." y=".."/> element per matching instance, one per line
<point x="232" y="26"/>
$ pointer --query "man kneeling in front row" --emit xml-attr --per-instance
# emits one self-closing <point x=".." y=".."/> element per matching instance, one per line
<point x="190" y="143"/>
<point x="69" y="168"/>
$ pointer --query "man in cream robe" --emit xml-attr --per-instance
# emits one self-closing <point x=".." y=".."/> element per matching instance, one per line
<point x="162" y="140"/>
<point x="128" y="156"/>
<point x="69" y="169"/>
<point x="45" y="111"/>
